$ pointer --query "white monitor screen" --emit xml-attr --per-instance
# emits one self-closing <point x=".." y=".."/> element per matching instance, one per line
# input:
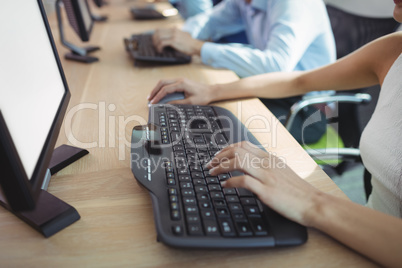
<point x="31" y="86"/>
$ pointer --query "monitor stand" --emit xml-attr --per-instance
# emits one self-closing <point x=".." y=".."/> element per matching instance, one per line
<point x="79" y="54"/>
<point x="51" y="214"/>
<point x="98" y="18"/>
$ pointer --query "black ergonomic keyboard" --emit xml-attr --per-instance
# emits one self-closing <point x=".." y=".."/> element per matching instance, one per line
<point x="141" y="48"/>
<point x="191" y="209"/>
<point x="146" y="13"/>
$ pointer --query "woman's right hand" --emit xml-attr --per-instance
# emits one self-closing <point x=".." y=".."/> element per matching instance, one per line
<point x="270" y="178"/>
<point x="194" y="93"/>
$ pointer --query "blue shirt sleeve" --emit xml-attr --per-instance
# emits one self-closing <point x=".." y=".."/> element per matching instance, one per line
<point x="224" y="19"/>
<point x="189" y="8"/>
<point x="297" y="39"/>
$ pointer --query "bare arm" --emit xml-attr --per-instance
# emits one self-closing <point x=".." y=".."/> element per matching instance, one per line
<point x="365" y="67"/>
<point x="374" y="234"/>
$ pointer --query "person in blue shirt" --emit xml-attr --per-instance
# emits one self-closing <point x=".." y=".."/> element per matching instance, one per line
<point x="283" y="35"/>
<point x="189" y="8"/>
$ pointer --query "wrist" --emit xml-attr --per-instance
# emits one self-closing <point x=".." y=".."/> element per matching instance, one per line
<point x="210" y="93"/>
<point x="214" y="93"/>
<point x="197" y="46"/>
<point x="316" y="213"/>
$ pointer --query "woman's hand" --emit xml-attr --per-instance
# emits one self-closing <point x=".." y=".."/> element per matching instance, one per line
<point x="270" y="178"/>
<point x="194" y="93"/>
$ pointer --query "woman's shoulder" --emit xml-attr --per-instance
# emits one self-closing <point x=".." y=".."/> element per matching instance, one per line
<point x="383" y="52"/>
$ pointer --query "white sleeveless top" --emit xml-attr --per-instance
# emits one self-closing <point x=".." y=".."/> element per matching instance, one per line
<point x="381" y="145"/>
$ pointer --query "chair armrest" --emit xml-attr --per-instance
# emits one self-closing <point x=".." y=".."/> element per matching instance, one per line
<point x="358" y="98"/>
<point x="349" y="154"/>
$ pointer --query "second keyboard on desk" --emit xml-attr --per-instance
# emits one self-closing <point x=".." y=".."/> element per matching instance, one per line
<point x="191" y="209"/>
<point x="141" y="48"/>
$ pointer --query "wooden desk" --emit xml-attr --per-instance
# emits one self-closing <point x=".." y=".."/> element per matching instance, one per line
<point x="116" y="228"/>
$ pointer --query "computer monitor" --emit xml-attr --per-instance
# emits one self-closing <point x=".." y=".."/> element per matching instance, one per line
<point x="80" y="19"/>
<point x="99" y="4"/>
<point x="33" y="100"/>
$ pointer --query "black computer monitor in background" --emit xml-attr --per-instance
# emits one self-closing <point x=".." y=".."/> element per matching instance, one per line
<point x="99" y="4"/>
<point x="33" y="100"/>
<point x="80" y="19"/>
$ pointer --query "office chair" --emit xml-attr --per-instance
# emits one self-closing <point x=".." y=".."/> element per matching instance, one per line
<point x="352" y="32"/>
<point x="339" y="146"/>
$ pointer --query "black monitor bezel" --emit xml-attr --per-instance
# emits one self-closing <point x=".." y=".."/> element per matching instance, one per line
<point x="79" y="18"/>
<point x="21" y="192"/>
<point x="99" y="3"/>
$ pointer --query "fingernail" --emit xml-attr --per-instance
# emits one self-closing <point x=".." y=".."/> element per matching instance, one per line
<point x="148" y="97"/>
<point x="211" y="171"/>
<point x="223" y="183"/>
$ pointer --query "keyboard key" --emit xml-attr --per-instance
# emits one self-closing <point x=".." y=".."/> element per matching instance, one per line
<point x="243" y="228"/>
<point x="187" y="192"/>
<point x="248" y="201"/>
<point x="197" y="175"/>
<point x="186" y="185"/>
<point x="189" y="201"/>
<point x="232" y="199"/>
<point x="220" y="203"/>
<point x="217" y="195"/>
<point x="172" y="191"/>
<point x="205" y="204"/>
<point x="214" y="187"/>
<point x="175" y="215"/>
<point x="229" y="191"/>
<point x="178" y="148"/>
<point x="258" y="226"/>
<point x="244" y="192"/>
<point x="211" y="228"/>
<point x="177" y="229"/>
<point x="191" y="210"/>
<point x="195" y="229"/>
<point x="227" y="227"/>
<point x="185" y="178"/>
<point x="220" y="139"/>
<point x="235" y="207"/>
<point x="252" y="211"/>
<point x="199" y="182"/>
<point x="174" y="206"/>
<point x="239" y="216"/>
<point x="201" y="189"/>
<point x="179" y="154"/>
<point x="222" y="212"/>
<point x="223" y="177"/>
<point x="193" y="218"/>
<point x="207" y="214"/>
<point x="202" y="197"/>
<point x="212" y="180"/>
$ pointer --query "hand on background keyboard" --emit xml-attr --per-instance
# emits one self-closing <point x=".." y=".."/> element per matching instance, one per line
<point x="270" y="178"/>
<point x="177" y="39"/>
<point x="195" y="93"/>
